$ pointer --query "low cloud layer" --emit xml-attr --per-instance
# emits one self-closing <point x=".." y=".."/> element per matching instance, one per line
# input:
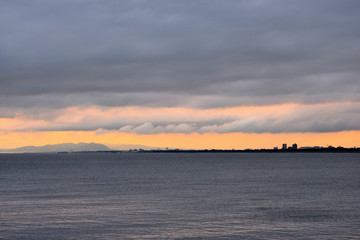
<point x="269" y="119"/>
<point x="61" y="55"/>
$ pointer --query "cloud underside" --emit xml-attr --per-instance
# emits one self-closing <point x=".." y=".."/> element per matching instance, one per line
<point x="82" y="65"/>
<point x="140" y="120"/>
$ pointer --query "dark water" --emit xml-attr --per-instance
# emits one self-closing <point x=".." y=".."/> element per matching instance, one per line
<point x="180" y="196"/>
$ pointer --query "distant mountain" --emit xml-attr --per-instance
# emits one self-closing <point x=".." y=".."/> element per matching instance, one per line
<point x="64" y="147"/>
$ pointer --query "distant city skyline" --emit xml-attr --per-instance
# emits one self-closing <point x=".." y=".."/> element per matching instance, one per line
<point x="96" y="147"/>
<point x="180" y="74"/>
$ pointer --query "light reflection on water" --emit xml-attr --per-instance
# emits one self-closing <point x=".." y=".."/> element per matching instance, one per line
<point x="179" y="196"/>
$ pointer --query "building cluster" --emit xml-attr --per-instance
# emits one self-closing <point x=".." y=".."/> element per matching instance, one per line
<point x="285" y="147"/>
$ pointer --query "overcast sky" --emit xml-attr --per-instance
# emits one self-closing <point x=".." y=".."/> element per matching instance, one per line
<point x="58" y="55"/>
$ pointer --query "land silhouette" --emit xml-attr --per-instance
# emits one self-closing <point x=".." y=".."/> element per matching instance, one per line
<point x="63" y="147"/>
<point x="134" y="148"/>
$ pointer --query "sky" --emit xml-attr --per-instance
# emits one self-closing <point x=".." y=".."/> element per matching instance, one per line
<point x="180" y="74"/>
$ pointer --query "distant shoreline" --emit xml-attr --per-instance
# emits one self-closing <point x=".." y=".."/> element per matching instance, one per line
<point x="321" y="150"/>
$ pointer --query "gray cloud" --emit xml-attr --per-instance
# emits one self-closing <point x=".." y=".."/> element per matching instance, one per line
<point x="200" y="54"/>
<point x="312" y="119"/>
<point x="288" y="118"/>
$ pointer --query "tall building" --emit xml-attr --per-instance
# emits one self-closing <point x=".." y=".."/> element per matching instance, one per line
<point x="284" y="146"/>
<point x="294" y="146"/>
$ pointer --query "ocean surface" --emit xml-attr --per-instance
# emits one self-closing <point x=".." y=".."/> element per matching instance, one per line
<point x="180" y="196"/>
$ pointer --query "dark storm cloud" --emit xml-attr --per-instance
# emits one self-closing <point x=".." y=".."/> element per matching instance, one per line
<point x="203" y="54"/>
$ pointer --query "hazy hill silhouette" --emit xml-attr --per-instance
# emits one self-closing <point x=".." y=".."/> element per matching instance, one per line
<point x="63" y="147"/>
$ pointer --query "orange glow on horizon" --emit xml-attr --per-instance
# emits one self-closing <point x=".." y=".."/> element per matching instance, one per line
<point x="184" y="141"/>
<point x="33" y="130"/>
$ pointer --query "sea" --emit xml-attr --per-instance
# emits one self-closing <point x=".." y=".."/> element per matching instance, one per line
<point x="180" y="196"/>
